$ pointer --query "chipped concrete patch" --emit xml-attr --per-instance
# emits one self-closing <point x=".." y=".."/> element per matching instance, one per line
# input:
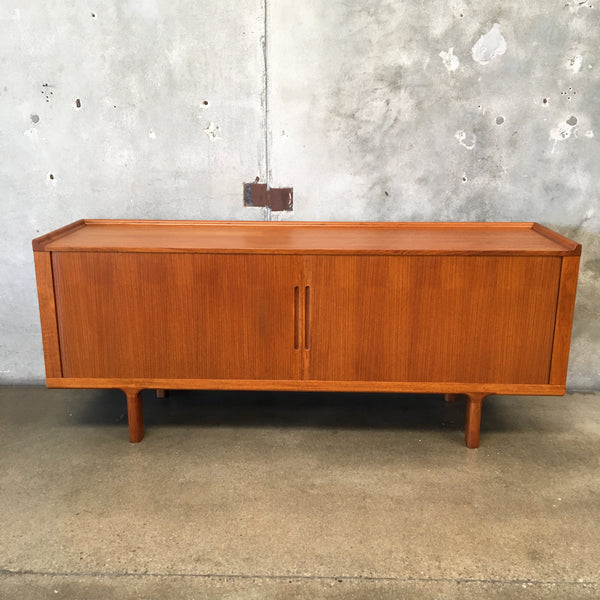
<point x="576" y="5"/>
<point x="575" y="63"/>
<point x="451" y="62"/>
<point x="212" y="131"/>
<point x="489" y="46"/>
<point x="31" y="133"/>
<point x="563" y="131"/>
<point x="461" y="136"/>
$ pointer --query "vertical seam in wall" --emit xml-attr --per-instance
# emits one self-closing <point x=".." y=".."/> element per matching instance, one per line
<point x="265" y="45"/>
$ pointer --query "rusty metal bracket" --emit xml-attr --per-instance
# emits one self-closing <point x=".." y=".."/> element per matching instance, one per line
<point x="277" y="199"/>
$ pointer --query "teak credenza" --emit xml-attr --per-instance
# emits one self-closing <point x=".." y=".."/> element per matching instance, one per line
<point x="453" y="308"/>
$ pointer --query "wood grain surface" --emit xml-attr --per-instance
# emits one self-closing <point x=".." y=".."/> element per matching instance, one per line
<point x="564" y="319"/>
<point x="307" y="237"/>
<point x="306" y="385"/>
<point x="445" y="319"/>
<point x="176" y="316"/>
<point x="48" y="317"/>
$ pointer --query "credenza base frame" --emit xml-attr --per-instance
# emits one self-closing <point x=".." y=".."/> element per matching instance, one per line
<point x="477" y="392"/>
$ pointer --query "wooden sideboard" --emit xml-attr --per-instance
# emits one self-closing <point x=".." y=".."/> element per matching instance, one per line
<point x="453" y="308"/>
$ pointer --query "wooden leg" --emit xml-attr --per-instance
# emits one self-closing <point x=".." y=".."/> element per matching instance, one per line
<point x="162" y="393"/>
<point x="134" y="415"/>
<point x="473" y="420"/>
<point x="450" y="397"/>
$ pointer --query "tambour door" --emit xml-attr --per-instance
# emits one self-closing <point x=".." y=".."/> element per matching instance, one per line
<point x="472" y="319"/>
<point x="176" y="315"/>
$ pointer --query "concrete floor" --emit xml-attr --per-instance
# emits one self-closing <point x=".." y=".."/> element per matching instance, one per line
<point x="268" y="495"/>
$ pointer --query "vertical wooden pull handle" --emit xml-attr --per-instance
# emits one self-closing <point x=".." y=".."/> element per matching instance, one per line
<point x="296" y="318"/>
<point x="307" y="317"/>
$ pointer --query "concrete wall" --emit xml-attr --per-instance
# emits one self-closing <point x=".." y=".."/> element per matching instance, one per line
<point x="372" y="110"/>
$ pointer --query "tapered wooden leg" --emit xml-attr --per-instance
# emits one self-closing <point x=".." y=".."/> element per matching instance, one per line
<point x="473" y="421"/>
<point x="134" y="415"/>
<point x="450" y="397"/>
<point x="162" y="393"/>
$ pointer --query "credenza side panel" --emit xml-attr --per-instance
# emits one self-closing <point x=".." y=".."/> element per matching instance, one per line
<point x="176" y="316"/>
<point x="487" y="319"/>
<point x="564" y="319"/>
<point x="47" y="305"/>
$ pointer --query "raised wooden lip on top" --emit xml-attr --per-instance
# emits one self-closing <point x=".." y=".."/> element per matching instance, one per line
<point x="472" y="240"/>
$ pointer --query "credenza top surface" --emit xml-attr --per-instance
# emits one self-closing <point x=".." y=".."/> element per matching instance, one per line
<point x="293" y="237"/>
